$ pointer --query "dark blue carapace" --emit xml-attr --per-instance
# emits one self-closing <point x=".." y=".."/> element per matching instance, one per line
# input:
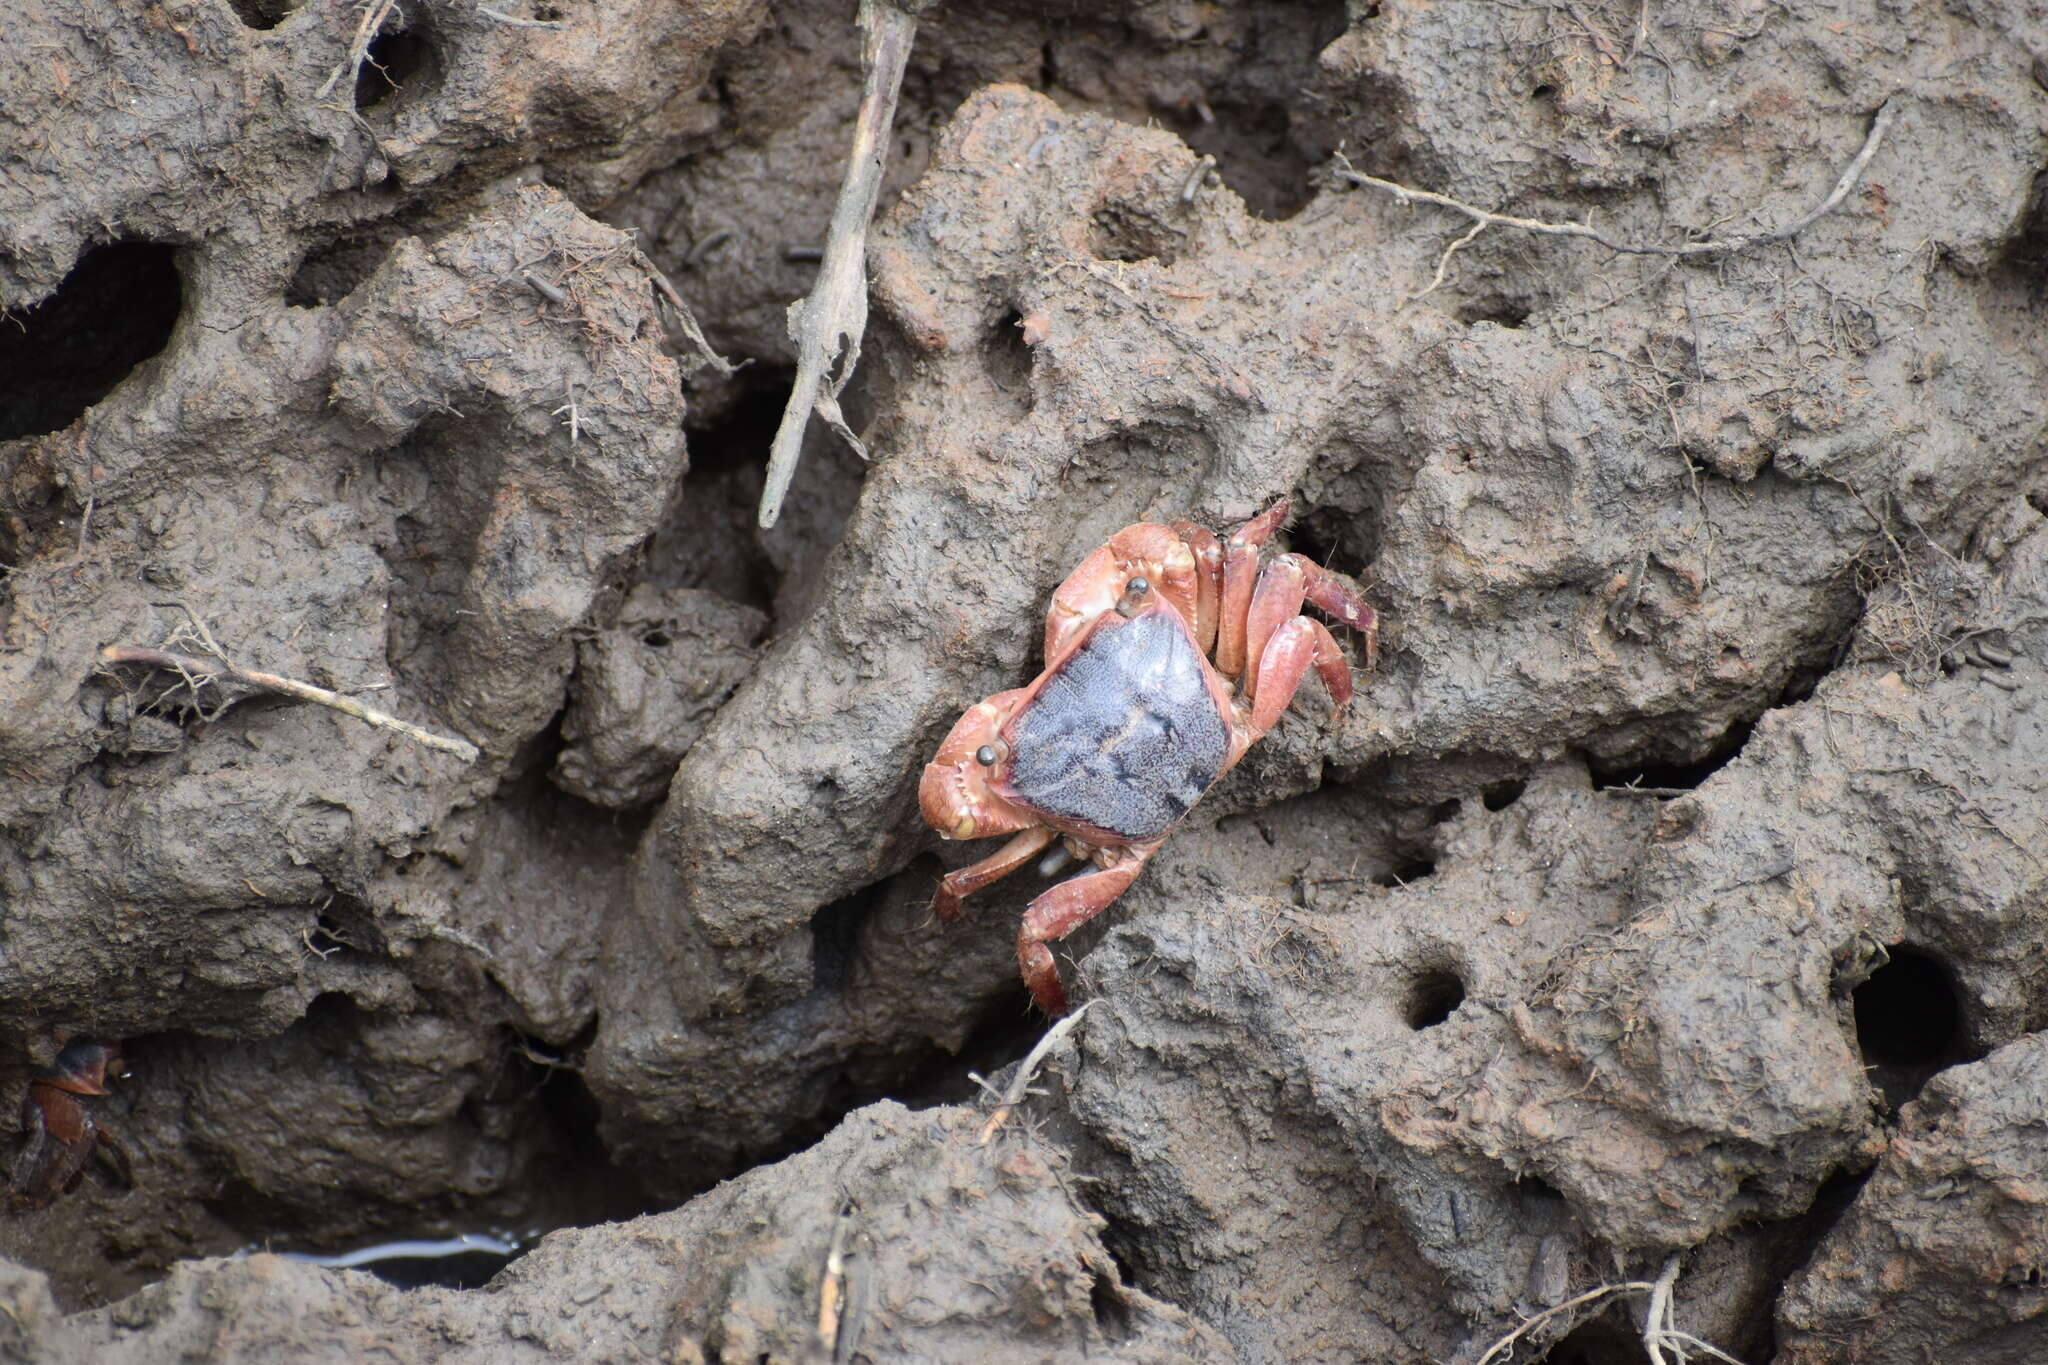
<point x="1124" y="735"/>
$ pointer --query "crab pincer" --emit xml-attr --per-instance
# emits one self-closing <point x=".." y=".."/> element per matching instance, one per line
<point x="64" y="1135"/>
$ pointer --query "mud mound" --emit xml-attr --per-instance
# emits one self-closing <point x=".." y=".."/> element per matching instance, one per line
<point x="1652" y="949"/>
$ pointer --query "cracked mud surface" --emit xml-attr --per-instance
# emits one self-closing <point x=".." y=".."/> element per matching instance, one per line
<point x="1676" y="887"/>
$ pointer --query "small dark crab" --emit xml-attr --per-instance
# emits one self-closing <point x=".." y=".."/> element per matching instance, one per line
<point x="1131" y="722"/>
<point x="63" y="1135"/>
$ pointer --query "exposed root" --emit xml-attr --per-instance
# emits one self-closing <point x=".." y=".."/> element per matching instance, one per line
<point x="1485" y="218"/>
<point x="375" y="12"/>
<point x="1663" y="1343"/>
<point x="198" y="672"/>
<point x="1660" y="1327"/>
<point x="1443" y="263"/>
<point x="1504" y="1348"/>
<point x="827" y="326"/>
<point x="1020" y="1084"/>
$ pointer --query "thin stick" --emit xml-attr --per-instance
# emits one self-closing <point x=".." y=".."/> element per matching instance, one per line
<point x="701" y="250"/>
<point x="198" y="672"/>
<point x="375" y="12"/>
<point x="827" y="325"/>
<point x="1020" y="1084"/>
<point x="1598" y="35"/>
<point x="1886" y="114"/>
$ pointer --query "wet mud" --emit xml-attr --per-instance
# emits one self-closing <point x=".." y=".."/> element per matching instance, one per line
<point x="1664" y="922"/>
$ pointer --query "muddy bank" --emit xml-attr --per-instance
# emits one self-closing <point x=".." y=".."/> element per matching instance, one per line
<point x="1673" y="888"/>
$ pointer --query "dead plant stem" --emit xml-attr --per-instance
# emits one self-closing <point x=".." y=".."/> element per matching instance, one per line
<point x="1660" y="1328"/>
<point x="197" y="672"/>
<point x="828" y="324"/>
<point x="1020" y="1084"/>
<point x="1485" y="218"/>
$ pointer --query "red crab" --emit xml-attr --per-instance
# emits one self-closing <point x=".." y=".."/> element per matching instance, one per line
<point x="1131" y="723"/>
<point x="62" y="1134"/>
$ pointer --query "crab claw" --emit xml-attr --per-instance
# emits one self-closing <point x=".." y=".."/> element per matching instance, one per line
<point x="954" y="793"/>
<point x="85" y="1068"/>
<point x="1138" y="560"/>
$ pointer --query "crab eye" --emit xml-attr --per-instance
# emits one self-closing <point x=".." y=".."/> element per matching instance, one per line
<point x="986" y="755"/>
<point x="1137" y="587"/>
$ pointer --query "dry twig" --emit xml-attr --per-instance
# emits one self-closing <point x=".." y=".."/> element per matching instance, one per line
<point x="553" y="293"/>
<point x="838" y="1313"/>
<point x="1020" y="1084"/>
<point x="827" y="325"/>
<point x="198" y="672"/>
<point x="1485" y="218"/>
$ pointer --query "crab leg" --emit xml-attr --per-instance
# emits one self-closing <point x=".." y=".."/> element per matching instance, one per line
<point x="963" y="882"/>
<point x="1260" y="528"/>
<point x="1296" y="645"/>
<point x="26" y="1182"/>
<point x="59" y="1149"/>
<point x="1333" y="595"/>
<point x="1208" y="580"/>
<point x="115" y="1153"/>
<point x="1285" y="584"/>
<point x="1240" y="571"/>
<point x="1282" y="586"/>
<point x="1064" y="909"/>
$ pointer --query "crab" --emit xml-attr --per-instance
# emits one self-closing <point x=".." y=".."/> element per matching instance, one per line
<point x="1168" y="655"/>
<point x="63" y="1135"/>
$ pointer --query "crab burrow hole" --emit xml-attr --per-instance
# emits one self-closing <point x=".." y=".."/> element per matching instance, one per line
<point x="1407" y="872"/>
<point x="1497" y="796"/>
<point x="262" y="14"/>
<point x="1131" y="231"/>
<point x="1909" y="1022"/>
<point x="331" y="272"/>
<point x="1677" y="776"/>
<point x="1008" y="357"/>
<point x="1433" y="996"/>
<point x="113" y="311"/>
<point x="402" y="66"/>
